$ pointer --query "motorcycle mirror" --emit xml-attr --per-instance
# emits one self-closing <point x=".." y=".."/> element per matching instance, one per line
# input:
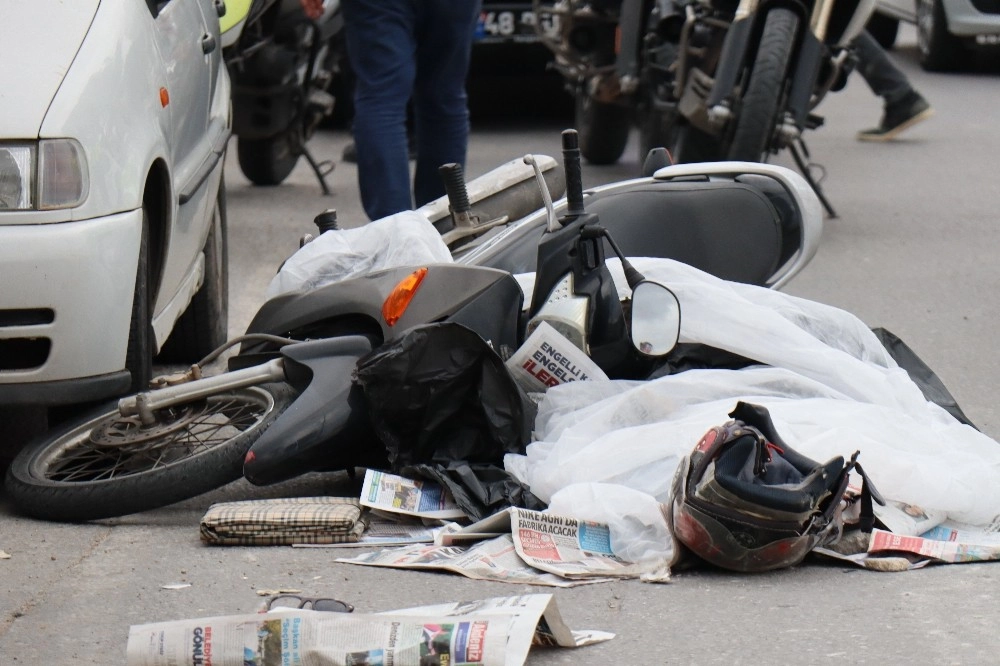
<point x="656" y="319"/>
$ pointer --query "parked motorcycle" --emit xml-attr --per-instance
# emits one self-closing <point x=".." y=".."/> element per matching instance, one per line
<point x="709" y="79"/>
<point x="282" y="65"/>
<point x="288" y="405"/>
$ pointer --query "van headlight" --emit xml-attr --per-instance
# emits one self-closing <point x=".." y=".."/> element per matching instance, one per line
<point x="42" y="175"/>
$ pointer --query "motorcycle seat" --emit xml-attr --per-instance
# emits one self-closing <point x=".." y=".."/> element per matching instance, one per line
<point x="733" y="230"/>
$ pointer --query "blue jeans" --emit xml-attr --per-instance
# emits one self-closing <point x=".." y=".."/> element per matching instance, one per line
<point x="400" y="49"/>
<point x="878" y="71"/>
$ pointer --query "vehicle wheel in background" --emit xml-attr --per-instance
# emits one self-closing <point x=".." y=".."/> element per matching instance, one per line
<point x="655" y="130"/>
<point x="603" y="129"/>
<point x="884" y="29"/>
<point x="940" y="51"/>
<point x="689" y="144"/>
<point x="104" y="465"/>
<point x="757" y="113"/>
<point x="204" y="326"/>
<point x="139" y="353"/>
<point x="266" y="161"/>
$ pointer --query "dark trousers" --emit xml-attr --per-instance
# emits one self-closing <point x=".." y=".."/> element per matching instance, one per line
<point x="878" y="71"/>
<point x="401" y="49"/>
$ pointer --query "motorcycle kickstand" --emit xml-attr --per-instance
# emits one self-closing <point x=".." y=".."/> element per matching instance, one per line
<point x="804" y="169"/>
<point x="321" y="169"/>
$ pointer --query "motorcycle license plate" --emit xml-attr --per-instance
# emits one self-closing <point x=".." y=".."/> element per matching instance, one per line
<point x="500" y="25"/>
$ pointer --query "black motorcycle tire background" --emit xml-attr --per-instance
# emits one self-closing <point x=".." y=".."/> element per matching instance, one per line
<point x="689" y="144"/>
<point x="267" y="161"/>
<point x="603" y="129"/>
<point x="757" y="113"/>
<point x="40" y="497"/>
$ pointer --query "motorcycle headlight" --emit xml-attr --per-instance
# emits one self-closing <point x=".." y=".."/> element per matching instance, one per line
<point x="42" y="175"/>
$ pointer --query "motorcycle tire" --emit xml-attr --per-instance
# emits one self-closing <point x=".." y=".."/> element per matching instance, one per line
<point x="103" y="465"/>
<point x="655" y="131"/>
<point x="266" y="161"/>
<point x="689" y="144"/>
<point x="757" y="113"/>
<point x="603" y="129"/>
<point x="204" y="325"/>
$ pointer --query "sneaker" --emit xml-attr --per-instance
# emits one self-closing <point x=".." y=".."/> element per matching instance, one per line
<point x="899" y="116"/>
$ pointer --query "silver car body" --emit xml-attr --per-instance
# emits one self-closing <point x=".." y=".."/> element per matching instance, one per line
<point x="148" y="99"/>
<point x="964" y="20"/>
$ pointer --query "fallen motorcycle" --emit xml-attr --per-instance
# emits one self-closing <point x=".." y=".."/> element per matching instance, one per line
<point x="282" y="65"/>
<point x="288" y="404"/>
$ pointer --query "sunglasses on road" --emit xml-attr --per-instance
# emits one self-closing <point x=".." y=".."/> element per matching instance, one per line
<point x="309" y="603"/>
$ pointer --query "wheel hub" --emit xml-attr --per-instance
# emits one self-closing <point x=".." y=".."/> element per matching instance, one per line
<point x="129" y="431"/>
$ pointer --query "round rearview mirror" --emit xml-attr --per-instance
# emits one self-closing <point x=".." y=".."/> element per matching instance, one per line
<point x="656" y="319"/>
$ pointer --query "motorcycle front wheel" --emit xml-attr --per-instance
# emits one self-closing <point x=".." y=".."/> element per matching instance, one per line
<point x="105" y="465"/>
<point x="757" y="113"/>
<point x="266" y="161"/>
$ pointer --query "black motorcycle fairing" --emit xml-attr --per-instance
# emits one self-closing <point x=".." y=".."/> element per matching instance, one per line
<point x="327" y="426"/>
<point x="570" y="249"/>
<point x="336" y="308"/>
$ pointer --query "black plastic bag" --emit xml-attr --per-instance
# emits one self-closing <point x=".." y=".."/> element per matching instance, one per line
<point x="440" y="394"/>
<point x="478" y="490"/>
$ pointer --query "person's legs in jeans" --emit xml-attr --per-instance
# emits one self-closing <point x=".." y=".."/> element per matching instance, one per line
<point x="440" y="105"/>
<point x="878" y="71"/>
<point x="382" y="49"/>
<point x="904" y="106"/>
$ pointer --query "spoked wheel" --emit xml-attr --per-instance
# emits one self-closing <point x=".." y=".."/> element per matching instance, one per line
<point x="107" y="465"/>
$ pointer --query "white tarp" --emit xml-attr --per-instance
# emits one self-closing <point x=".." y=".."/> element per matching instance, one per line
<point x="831" y="389"/>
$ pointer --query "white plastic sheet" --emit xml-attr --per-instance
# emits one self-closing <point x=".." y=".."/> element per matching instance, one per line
<point x="829" y="385"/>
<point x="403" y="239"/>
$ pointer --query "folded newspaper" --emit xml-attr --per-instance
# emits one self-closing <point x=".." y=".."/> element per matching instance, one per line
<point x="492" y="632"/>
<point x="520" y="546"/>
<point x="914" y="537"/>
<point x="386" y="493"/>
<point x="547" y="358"/>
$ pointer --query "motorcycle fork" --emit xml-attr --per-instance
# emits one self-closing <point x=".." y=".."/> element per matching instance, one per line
<point x="146" y="404"/>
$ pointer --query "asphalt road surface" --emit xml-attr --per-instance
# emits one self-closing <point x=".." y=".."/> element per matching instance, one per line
<point x="913" y="250"/>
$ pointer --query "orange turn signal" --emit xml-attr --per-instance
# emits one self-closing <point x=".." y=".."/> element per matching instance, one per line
<point x="164" y="97"/>
<point x="401" y="295"/>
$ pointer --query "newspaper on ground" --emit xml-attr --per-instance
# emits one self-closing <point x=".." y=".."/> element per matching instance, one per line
<point x="915" y="537"/>
<point x="547" y="358"/>
<point x="386" y="493"/>
<point x="491" y="632"/>
<point x="494" y="559"/>
<point x="907" y="519"/>
<point x="381" y="532"/>
<point x="949" y="542"/>
<point x="561" y="545"/>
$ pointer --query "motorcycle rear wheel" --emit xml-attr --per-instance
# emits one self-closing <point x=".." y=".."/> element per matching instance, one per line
<point x="266" y="161"/>
<point x="104" y="465"/>
<point x="757" y="114"/>
<point x="603" y="129"/>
